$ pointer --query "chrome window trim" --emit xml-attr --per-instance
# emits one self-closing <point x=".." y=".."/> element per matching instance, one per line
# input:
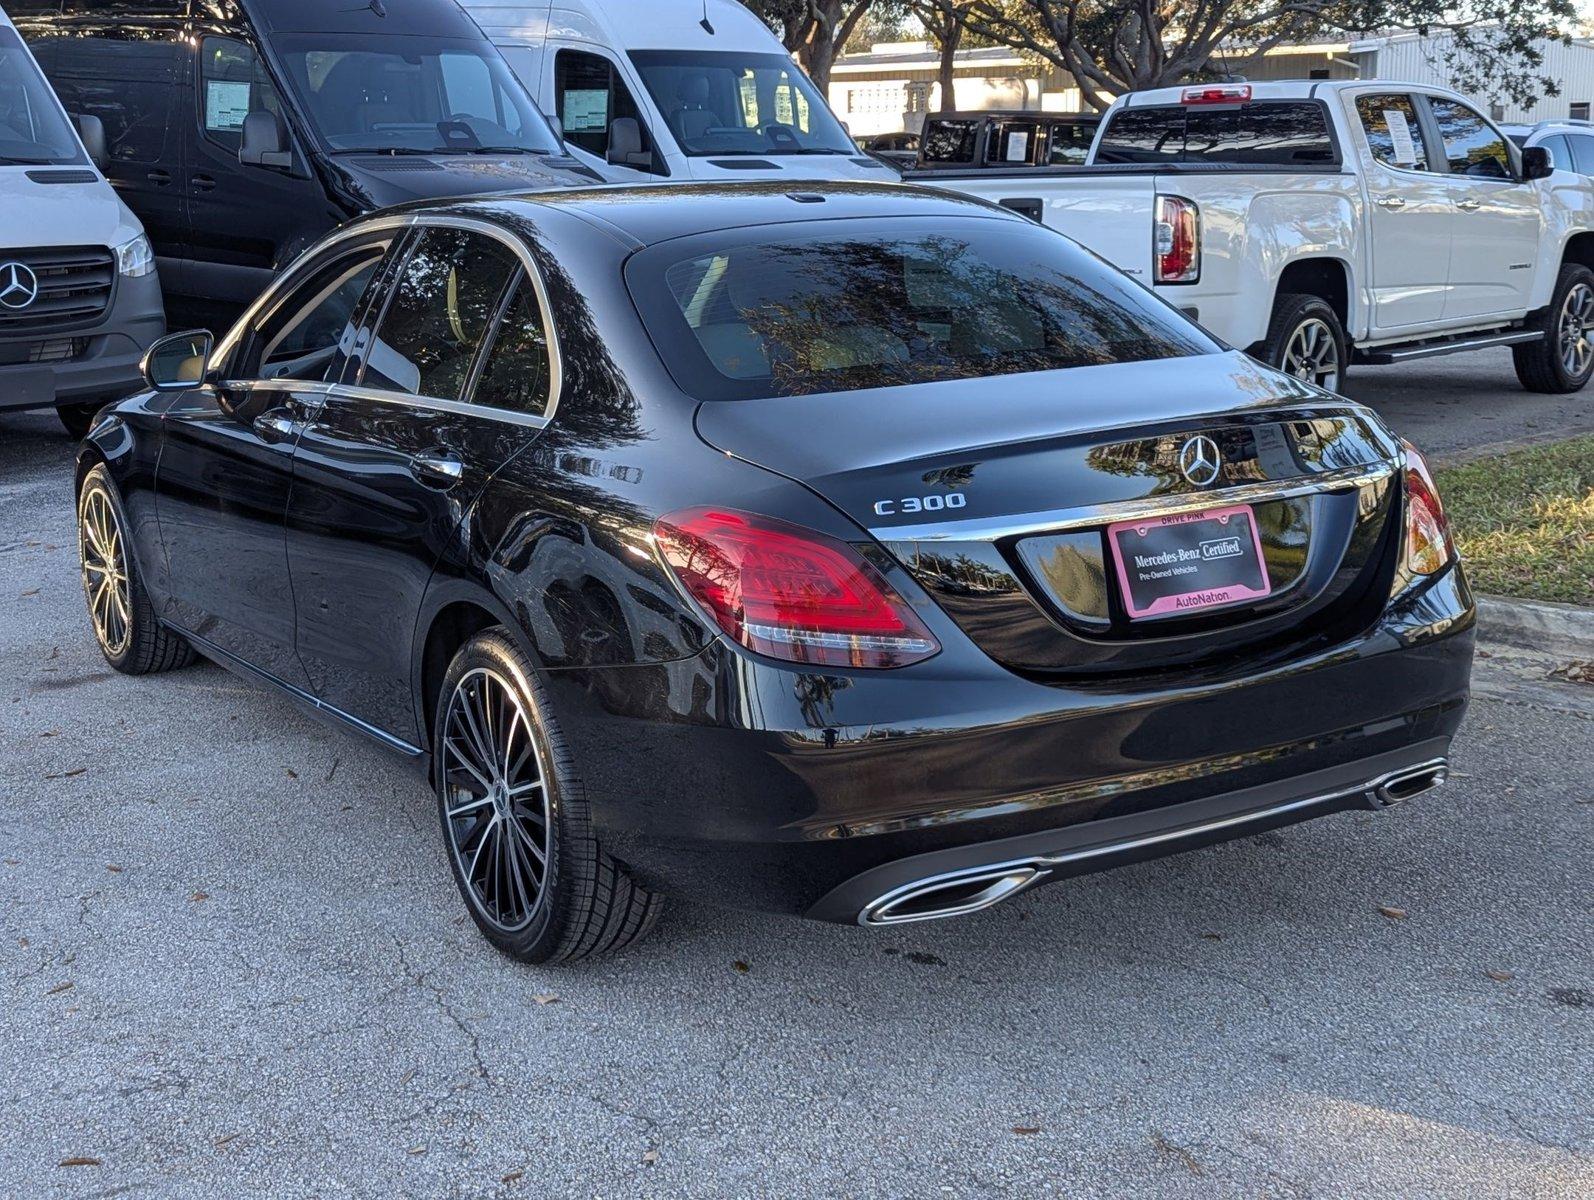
<point x="310" y="259"/>
<point x="993" y="529"/>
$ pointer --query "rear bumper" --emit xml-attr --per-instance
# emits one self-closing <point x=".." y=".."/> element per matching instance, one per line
<point x="108" y="366"/>
<point x="741" y="783"/>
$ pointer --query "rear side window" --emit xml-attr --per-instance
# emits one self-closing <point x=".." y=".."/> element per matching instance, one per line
<point x="763" y="312"/>
<point x="1582" y="152"/>
<point x="127" y="76"/>
<point x="1272" y="133"/>
<point x="444" y="304"/>
<point x="1070" y="144"/>
<point x="1472" y="145"/>
<point x="1393" y="132"/>
<point x="1560" y="152"/>
<point x="1012" y="143"/>
<point x="516" y="377"/>
<point x="950" y="141"/>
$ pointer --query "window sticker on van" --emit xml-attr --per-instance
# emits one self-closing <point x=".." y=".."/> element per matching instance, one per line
<point x="586" y="109"/>
<point x="226" y="104"/>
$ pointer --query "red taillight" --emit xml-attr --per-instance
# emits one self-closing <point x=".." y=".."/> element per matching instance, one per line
<point x="1178" y="240"/>
<point x="1429" y="549"/>
<point x="1217" y="93"/>
<point x="789" y="592"/>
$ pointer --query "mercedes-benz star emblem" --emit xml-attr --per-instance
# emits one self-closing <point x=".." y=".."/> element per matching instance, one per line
<point x="1200" y="460"/>
<point x="19" y="286"/>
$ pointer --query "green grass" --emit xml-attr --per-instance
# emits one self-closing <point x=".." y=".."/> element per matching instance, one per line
<point x="1525" y="521"/>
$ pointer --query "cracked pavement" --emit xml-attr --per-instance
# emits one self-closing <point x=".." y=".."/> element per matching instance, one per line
<point x="233" y="962"/>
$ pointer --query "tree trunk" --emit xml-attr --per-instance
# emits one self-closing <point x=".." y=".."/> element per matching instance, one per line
<point x="946" y="76"/>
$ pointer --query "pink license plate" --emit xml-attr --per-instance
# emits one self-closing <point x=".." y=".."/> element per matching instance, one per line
<point x="1168" y="566"/>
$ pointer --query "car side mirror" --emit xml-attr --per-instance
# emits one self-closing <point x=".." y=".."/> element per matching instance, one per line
<point x="178" y="362"/>
<point x="265" y="142"/>
<point x="625" y="144"/>
<point x="92" y="132"/>
<point x="1536" y="163"/>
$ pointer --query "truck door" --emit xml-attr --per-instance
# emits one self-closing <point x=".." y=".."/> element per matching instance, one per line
<point x="1410" y="215"/>
<point x="1497" y="216"/>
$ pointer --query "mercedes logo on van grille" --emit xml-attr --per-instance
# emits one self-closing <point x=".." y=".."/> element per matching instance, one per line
<point x="1200" y="460"/>
<point x="19" y="286"/>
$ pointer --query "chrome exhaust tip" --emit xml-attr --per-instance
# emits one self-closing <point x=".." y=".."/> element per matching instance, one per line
<point x="1402" y="785"/>
<point x="953" y="895"/>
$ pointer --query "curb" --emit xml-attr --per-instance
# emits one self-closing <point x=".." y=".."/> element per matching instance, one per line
<point x="1559" y="630"/>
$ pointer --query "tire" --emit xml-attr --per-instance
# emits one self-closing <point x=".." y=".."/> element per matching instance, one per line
<point x="123" y="619"/>
<point x="1562" y="361"/>
<point x="582" y="903"/>
<point x="1306" y="340"/>
<point x="76" y="418"/>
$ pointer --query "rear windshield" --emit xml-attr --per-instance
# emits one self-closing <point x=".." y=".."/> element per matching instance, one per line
<point x="1281" y="133"/>
<point x="845" y="305"/>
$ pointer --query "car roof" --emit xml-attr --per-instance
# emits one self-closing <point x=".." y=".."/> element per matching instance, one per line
<point x="651" y="213"/>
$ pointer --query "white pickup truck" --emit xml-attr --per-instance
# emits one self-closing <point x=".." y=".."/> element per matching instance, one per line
<point x="1318" y="224"/>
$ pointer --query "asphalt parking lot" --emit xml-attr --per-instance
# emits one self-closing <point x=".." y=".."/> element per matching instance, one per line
<point x="235" y="963"/>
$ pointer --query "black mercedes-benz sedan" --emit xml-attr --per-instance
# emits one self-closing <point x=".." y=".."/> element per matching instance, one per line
<point x="865" y="553"/>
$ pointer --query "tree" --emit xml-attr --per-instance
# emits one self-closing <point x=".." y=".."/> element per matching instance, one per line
<point x="816" y="30"/>
<point x="945" y="21"/>
<point x="1493" y="47"/>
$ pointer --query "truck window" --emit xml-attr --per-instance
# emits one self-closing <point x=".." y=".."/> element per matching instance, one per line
<point x="1070" y="143"/>
<point x="32" y="128"/>
<point x="1272" y="133"/>
<point x="1472" y="145"/>
<point x="1393" y="132"/>
<point x="1582" y="153"/>
<point x="1012" y="143"/>
<point x="1560" y="152"/>
<point x="590" y="96"/>
<point x="950" y="141"/>
<point x="232" y="84"/>
<point x="128" y="77"/>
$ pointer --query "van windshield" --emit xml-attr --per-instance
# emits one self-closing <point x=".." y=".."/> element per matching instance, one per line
<point x="411" y="95"/>
<point x="33" y="129"/>
<point x="730" y="103"/>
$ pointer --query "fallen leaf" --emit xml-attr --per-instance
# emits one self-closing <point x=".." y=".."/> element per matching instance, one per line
<point x="51" y="733"/>
<point x="545" y="998"/>
<point x="1213" y="937"/>
<point x="113" y="868"/>
<point x="741" y="967"/>
<point x="198" y="896"/>
<point x="1500" y="976"/>
<point x="292" y="774"/>
<point x="1026" y="1130"/>
<point x="34" y="592"/>
<point x="225" y="1138"/>
<point x="1578" y="671"/>
<point x="72" y="774"/>
<point x="13" y="862"/>
<point x="1393" y="913"/>
<point x="650" y="1157"/>
<point x="61" y="987"/>
<point x="417" y="1150"/>
<point x="512" y="1176"/>
<point x="82" y="1161"/>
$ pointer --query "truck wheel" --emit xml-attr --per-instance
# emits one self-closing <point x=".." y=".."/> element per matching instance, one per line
<point x="516" y="821"/>
<point x="1306" y="340"/>
<point x="1563" y="359"/>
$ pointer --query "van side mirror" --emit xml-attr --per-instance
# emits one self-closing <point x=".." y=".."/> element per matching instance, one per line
<point x="558" y="127"/>
<point x="265" y="142"/>
<point x="625" y="144"/>
<point x="178" y="362"/>
<point x="92" y="132"/>
<point x="1536" y="163"/>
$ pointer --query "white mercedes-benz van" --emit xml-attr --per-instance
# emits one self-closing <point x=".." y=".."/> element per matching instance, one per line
<point x="79" y="298"/>
<point x="673" y="89"/>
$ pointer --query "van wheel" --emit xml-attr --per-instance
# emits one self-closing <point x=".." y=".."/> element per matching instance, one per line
<point x="76" y="418"/>
<point x="1306" y="340"/>
<point x="516" y="822"/>
<point x="1563" y="359"/>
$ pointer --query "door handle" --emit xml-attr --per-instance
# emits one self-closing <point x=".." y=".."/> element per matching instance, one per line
<point x="1469" y="205"/>
<point x="275" y="427"/>
<point x="1391" y="202"/>
<point x="437" y="470"/>
<point x="160" y="178"/>
<point x="203" y="183"/>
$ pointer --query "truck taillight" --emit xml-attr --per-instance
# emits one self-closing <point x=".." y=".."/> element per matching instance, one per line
<point x="1217" y="93"/>
<point x="791" y="593"/>
<point x="1178" y="241"/>
<point x="1429" y="548"/>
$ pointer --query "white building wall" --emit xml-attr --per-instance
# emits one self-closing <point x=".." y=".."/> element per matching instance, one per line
<point x="1414" y="60"/>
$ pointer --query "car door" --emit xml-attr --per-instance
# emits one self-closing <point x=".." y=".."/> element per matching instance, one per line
<point x="1410" y="215"/>
<point x="1498" y="216"/>
<point x="455" y="376"/>
<point x="244" y="219"/>
<point x="226" y="467"/>
<point x="130" y="74"/>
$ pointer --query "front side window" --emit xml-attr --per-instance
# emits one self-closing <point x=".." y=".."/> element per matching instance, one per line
<point x="232" y="84"/>
<point x="1472" y="145"/>
<point x="33" y="130"/>
<point x="591" y="96"/>
<point x="950" y="140"/>
<point x="444" y="304"/>
<point x="424" y="96"/>
<point x="729" y="103"/>
<point x="1070" y="144"/>
<point x="1012" y="143"/>
<point x="310" y="334"/>
<point x="768" y="312"/>
<point x="1393" y="131"/>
